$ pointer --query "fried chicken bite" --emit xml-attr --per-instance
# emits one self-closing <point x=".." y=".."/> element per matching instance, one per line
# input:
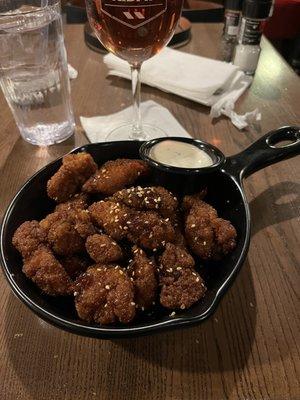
<point x="105" y="294"/>
<point x="149" y="230"/>
<point x="143" y="275"/>
<point x="74" y="265"/>
<point x="28" y="237"/>
<point x="182" y="291"/>
<point x="67" y="230"/>
<point x="172" y="261"/>
<point x="64" y="239"/>
<point x="154" y="198"/>
<point x="225" y="237"/>
<point x="116" y="175"/>
<point x="47" y="273"/>
<point x="190" y="200"/>
<point x="75" y="170"/>
<point x="82" y="223"/>
<point x="103" y="249"/>
<point x="111" y="217"/>
<point x="208" y="236"/>
<point x="78" y="202"/>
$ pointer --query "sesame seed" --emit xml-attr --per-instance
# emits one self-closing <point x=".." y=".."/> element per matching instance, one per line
<point x="132" y="303"/>
<point x="105" y="305"/>
<point x="121" y="272"/>
<point x="193" y="226"/>
<point x="75" y="293"/>
<point x="197" y="279"/>
<point x="128" y="223"/>
<point x="130" y="260"/>
<point x="107" y="287"/>
<point x="204" y="243"/>
<point x="167" y="219"/>
<point x="182" y="306"/>
<point x="102" y="245"/>
<point x="172" y="314"/>
<point x="154" y="249"/>
<point x="179" y="268"/>
<point x="98" y="269"/>
<point x="143" y="308"/>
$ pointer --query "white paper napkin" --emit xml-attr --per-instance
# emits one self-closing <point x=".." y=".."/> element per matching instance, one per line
<point x="73" y="73"/>
<point x="97" y="128"/>
<point x="210" y="82"/>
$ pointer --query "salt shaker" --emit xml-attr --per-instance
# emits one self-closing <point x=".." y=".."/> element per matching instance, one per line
<point x="232" y="17"/>
<point x="247" y="51"/>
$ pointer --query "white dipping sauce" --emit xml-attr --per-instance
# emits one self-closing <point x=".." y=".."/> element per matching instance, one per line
<point x="180" y="154"/>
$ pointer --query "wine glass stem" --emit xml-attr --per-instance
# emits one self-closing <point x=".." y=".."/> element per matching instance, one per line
<point x="137" y="128"/>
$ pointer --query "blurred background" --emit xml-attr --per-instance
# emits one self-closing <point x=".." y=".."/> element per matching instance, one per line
<point x="282" y="28"/>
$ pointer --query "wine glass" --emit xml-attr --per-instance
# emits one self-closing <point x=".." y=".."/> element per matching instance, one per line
<point x="134" y="30"/>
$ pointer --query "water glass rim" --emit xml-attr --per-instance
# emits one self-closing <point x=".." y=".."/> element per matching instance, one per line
<point x="35" y="11"/>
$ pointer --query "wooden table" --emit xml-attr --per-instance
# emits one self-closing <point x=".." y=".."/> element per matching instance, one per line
<point x="249" y="349"/>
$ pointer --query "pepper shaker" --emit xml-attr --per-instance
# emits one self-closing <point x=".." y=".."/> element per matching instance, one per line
<point x="247" y="51"/>
<point x="232" y="18"/>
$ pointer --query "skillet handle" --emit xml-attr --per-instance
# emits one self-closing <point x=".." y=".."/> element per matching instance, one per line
<point x="265" y="151"/>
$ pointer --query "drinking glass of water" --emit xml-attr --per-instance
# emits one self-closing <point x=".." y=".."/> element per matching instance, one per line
<point x="34" y="70"/>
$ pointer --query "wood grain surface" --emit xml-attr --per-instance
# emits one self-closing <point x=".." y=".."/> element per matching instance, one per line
<point x="249" y="349"/>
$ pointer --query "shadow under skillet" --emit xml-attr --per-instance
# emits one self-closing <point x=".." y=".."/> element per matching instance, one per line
<point x="274" y="204"/>
<point x="222" y="343"/>
<point x="48" y="360"/>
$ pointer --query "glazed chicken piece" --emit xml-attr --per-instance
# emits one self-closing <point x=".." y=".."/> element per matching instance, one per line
<point x="116" y="175"/>
<point x="143" y="275"/>
<point x="103" y="249"/>
<point x="149" y="230"/>
<point x="155" y="198"/>
<point x="111" y="217"/>
<point x="68" y="180"/>
<point x="208" y="236"/>
<point x="105" y="294"/>
<point x="28" y="237"/>
<point x="47" y="273"/>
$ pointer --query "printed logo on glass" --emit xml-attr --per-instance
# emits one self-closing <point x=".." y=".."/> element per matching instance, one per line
<point x="133" y="13"/>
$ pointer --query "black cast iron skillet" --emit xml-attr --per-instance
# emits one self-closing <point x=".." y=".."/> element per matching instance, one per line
<point x="225" y="193"/>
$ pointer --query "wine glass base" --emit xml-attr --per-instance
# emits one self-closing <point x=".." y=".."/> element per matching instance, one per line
<point x="125" y="132"/>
